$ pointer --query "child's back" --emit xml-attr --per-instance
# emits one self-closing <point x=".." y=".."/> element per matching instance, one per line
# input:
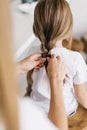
<point x="77" y="74"/>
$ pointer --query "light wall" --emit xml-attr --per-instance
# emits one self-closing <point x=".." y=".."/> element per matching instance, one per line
<point x="79" y="10"/>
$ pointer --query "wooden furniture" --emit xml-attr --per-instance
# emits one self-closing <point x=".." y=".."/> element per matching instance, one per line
<point x="84" y="40"/>
<point x="85" y="128"/>
<point x="79" y="120"/>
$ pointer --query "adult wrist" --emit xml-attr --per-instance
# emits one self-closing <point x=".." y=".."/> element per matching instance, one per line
<point x="56" y="83"/>
<point x="55" y="78"/>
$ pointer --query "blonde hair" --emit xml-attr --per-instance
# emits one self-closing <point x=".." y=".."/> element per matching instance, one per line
<point x="8" y="83"/>
<point x="52" y="21"/>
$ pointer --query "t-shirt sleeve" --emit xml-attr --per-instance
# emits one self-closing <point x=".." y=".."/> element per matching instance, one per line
<point x="80" y="70"/>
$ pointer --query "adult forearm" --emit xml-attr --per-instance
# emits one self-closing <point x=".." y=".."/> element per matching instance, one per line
<point x="57" y="113"/>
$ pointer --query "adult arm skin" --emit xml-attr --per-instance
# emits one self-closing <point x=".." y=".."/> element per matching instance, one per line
<point x="57" y="112"/>
<point x="27" y="64"/>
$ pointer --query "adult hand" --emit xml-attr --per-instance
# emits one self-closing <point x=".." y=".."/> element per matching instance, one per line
<point x="56" y="68"/>
<point x="57" y="112"/>
<point x="33" y="61"/>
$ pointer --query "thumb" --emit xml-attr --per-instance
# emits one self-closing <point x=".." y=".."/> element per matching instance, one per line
<point x="40" y="61"/>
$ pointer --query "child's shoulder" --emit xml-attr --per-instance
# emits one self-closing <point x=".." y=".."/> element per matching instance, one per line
<point x="74" y="54"/>
<point x="74" y="57"/>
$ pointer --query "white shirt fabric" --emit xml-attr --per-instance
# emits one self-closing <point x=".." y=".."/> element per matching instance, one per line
<point x="84" y="55"/>
<point x="31" y="117"/>
<point x="77" y="73"/>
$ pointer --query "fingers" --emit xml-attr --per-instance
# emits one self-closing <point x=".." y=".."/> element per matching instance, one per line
<point x="58" y="58"/>
<point x="53" y="57"/>
<point x="37" y="68"/>
<point x="35" y="56"/>
<point x="48" y="59"/>
<point x="40" y="62"/>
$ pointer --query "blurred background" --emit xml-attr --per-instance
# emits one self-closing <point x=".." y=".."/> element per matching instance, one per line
<point x="22" y="13"/>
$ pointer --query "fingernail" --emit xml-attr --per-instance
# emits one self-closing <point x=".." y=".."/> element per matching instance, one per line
<point x="58" y="57"/>
<point x="42" y="65"/>
<point x="52" y="56"/>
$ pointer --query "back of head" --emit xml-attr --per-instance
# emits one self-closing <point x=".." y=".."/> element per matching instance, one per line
<point x="53" y="21"/>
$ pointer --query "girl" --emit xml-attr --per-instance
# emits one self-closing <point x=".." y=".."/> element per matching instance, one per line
<point x="24" y="114"/>
<point x="53" y="26"/>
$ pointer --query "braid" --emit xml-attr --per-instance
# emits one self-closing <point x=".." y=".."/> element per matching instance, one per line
<point x="30" y="82"/>
<point x="45" y="53"/>
<point x="29" y="74"/>
<point x="43" y="48"/>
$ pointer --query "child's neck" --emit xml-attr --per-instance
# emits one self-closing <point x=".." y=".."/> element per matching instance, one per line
<point x="58" y="44"/>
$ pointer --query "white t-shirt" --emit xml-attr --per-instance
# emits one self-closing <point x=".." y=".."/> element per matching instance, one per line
<point x="31" y="117"/>
<point x="77" y="72"/>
